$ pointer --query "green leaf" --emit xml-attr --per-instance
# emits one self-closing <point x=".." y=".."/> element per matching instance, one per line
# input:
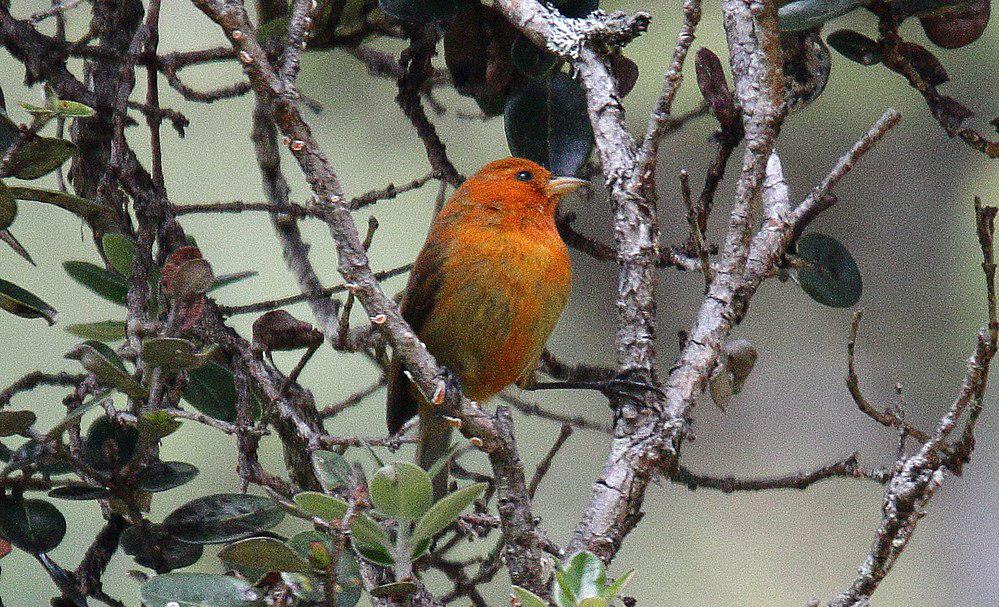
<point x="21" y="303"/>
<point x="528" y="598"/>
<point x="445" y="512"/>
<point x="120" y="252"/>
<point x="348" y="575"/>
<point x="420" y="10"/>
<point x="547" y="122"/>
<point x="173" y="353"/>
<point x="564" y="597"/>
<point x="32" y="525"/>
<point x="99" y="216"/>
<point x="162" y="476"/>
<point x="36" y="110"/>
<point x="610" y="591"/>
<point x="806" y="14"/>
<point x="107" y="366"/>
<point x="71" y="109"/>
<point x="104" y="330"/>
<point x="80" y="492"/>
<point x="832" y="277"/>
<point x="105" y="283"/>
<point x="593" y="601"/>
<point x="394" y="590"/>
<point x="109" y="445"/>
<point x="230" y="279"/>
<point x="263" y="553"/>
<point x="16" y="422"/>
<point x="584" y="576"/>
<point x="40" y="156"/>
<point x="402" y="490"/>
<point x="222" y="518"/>
<point x="370" y="539"/>
<point x="212" y="390"/>
<point x="530" y="59"/>
<point x="157" y="425"/>
<point x="198" y="590"/>
<point x="154" y="548"/>
<point x="76" y="414"/>
<point x="332" y="469"/>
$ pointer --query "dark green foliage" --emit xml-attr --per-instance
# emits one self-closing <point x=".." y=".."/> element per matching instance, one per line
<point x="829" y="275"/>
<point x="547" y="122"/>
<point x="212" y="390"/>
<point x="222" y="518"/>
<point x="32" y="525"/>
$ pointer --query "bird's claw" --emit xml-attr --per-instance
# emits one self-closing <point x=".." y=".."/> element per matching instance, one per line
<point x="628" y="387"/>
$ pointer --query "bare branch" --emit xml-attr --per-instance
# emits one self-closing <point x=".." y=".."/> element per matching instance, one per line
<point x="801" y="480"/>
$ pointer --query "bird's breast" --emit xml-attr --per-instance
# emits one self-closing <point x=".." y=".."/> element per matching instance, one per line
<point x="502" y="293"/>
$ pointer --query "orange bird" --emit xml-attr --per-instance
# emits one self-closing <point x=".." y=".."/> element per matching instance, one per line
<point x="485" y="292"/>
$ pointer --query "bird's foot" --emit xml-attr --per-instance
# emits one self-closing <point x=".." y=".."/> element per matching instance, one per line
<point x="623" y="386"/>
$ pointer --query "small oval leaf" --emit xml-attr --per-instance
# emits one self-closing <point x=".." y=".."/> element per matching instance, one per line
<point x="107" y="366"/>
<point x="832" y="278"/>
<point x="855" y="46"/>
<point x="806" y="14"/>
<point x="198" y="590"/>
<point x="332" y="469"/>
<point x="393" y="590"/>
<point x="162" y="476"/>
<point x="368" y="536"/>
<point x="103" y="331"/>
<point x="154" y="548"/>
<point x="263" y="553"/>
<point x="105" y="283"/>
<point x="100" y="217"/>
<point x="170" y="353"/>
<point x="80" y="492"/>
<point x="222" y="518"/>
<point x="445" y="512"/>
<point x="120" y="252"/>
<point x="402" y="490"/>
<point x="32" y="525"/>
<point x="40" y="156"/>
<point x="211" y="389"/>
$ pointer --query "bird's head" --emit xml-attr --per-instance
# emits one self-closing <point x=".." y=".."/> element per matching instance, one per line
<point x="516" y="186"/>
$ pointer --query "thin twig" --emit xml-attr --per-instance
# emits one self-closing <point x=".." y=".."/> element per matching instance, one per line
<point x="274" y="304"/>
<point x="801" y="480"/>
<point x="546" y="463"/>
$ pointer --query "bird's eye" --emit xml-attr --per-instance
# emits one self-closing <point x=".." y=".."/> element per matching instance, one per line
<point x="525" y="176"/>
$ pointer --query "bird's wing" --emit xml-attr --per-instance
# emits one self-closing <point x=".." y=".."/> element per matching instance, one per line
<point x="417" y="305"/>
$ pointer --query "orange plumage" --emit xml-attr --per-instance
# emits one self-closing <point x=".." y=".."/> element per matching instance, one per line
<point x="486" y="289"/>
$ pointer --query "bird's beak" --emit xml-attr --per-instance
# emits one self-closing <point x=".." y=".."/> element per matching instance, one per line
<point x="560" y="186"/>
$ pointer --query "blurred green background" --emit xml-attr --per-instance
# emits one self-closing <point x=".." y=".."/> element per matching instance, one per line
<point x="906" y="213"/>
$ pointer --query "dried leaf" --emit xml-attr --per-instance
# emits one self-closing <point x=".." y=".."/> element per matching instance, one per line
<point x="714" y="87"/>
<point x="957" y="25"/>
<point x="279" y="330"/>
<point x="855" y="46"/>
<point x="925" y="62"/>
<point x="185" y="273"/>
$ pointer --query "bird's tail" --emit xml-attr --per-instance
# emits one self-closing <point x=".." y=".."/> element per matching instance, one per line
<point x="435" y="441"/>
